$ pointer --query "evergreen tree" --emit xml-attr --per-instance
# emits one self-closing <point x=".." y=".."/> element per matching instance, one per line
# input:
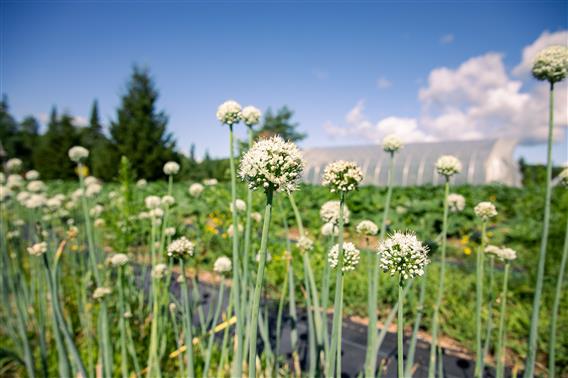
<point x="139" y="132"/>
<point x="8" y="130"/>
<point x="101" y="154"/>
<point x="26" y="141"/>
<point x="280" y="124"/>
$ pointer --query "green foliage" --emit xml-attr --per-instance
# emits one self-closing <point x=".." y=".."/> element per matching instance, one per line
<point x="280" y="124"/>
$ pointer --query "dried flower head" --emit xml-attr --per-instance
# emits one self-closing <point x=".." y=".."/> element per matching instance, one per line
<point x="329" y="212"/>
<point x="181" y="248"/>
<point x="78" y="153"/>
<point x="171" y="168"/>
<point x="195" y="190"/>
<point x="250" y="115"/>
<point x="367" y="227"/>
<point x="485" y="211"/>
<point x="38" y="249"/>
<point x="551" y="64"/>
<point x="404" y="254"/>
<point x="272" y="164"/>
<point x="350" y="253"/>
<point x="229" y="112"/>
<point x="392" y="143"/>
<point x="342" y="176"/>
<point x="222" y="265"/>
<point x="456" y="202"/>
<point x="448" y="165"/>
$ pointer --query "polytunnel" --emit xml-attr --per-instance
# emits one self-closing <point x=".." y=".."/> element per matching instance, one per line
<point x="484" y="162"/>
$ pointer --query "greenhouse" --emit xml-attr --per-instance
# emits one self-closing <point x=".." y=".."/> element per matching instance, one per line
<point x="484" y="161"/>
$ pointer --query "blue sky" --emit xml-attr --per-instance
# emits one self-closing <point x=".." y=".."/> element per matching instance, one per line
<point x="351" y="72"/>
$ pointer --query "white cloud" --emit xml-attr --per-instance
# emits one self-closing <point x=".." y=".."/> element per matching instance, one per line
<point x="447" y="39"/>
<point x="383" y="83"/>
<point x="478" y="99"/>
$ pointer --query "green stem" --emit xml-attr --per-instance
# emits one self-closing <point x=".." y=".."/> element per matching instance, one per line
<point x="325" y="299"/>
<point x="489" y="323"/>
<point x="258" y="286"/>
<point x="555" y="307"/>
<point x="400" y="329"/>
<point x="533" y="336"/>
<point x="418" y="319"/>
<point x="440" y="293"/>
<point x="178" y="343"/>
<point x="212" y="330"/>
<point x="479" y="303"/>
<point x="122" y="326"/>
<point x="188" y="322"/>
<point x="500" y="370"/>
<point x="248" y="228"/>
<point x="279" y="315"/>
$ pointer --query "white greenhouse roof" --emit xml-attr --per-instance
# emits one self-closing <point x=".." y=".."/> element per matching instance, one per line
<point x="484" y="161"/>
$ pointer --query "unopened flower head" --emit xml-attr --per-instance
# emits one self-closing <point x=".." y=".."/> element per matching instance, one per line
<point x="32" y="175"/>
<point x="456" y="202"/>
<point x="272" y="164"/>
<point x="250" y="115"/>
<point x="13" y="165"/>
<point x="195" y="190"/>
<point x="305" y="244"/>
<point x="563" y="177"/>
<point x="229" y="112"/>
<point x="448" y="165"/>
<point x="329" y="229"/>
<point x="351" y="256"/>
<point x="392" y="143"/>
<point x="101" y="292"/>
<point x="78" y="154"/>
<point x="485" y="211"/>
<point x="329" y="212"/>
<point x="152" y="202"/>
<point x="367" y="227"/>
<point x="342" y="176"/>
<point x="551" y="64"/>
<point x="159" y="271"/>
<point x="404" y="254"/>
<point x="168" y="200"/>
<point x="120" y="259"/>
<point x="222" y="265"/>
<point x="181" y="248"/>
<point x="171" y="168"/>
<point x="141" y="183"/>
<point x="38" y="249"/>
<point x="240" y="205"/>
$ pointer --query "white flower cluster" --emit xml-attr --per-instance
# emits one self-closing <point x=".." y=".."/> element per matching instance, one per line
<point x="152" y="202"/>
<point x="505" y="254"/>
<point x="35" y="201"/>
<point x="38" y="249"/>
<point x="159" y="271"/>
<point x="229" y="112"/>
<point x="231" y="230"/>
<point x="14" y="165"/>
<point x="168" y="201"/>
<point x="181" y="248"/>
<point x="14" y="181"/>
<point x="120" y="259"/>
<point x="222" y="265"/>
<point x="272" y="163"/>
<point x="404" y="254"/>
<point x="210" y="182"/>
<point x="367" y="227"/>
<point x="329" y="212"/>
<point x="342" y="176"/>
<point x="329" y="229"/>
<point x="448" y="165"/>
<point x="101" y="292"/>
<point x="195" y="190"/>
<point x="78" y="153"/>
<point x="551" y="64"/>
<point x="93" y="186"/>
<point x="32" y="175"/>
<point x="392" y="143"/>
<point x="240" y="205"/>
<point x="96" y="211"/>
<point x="171" y="168"/>
<point x="351" y="256"/>
<point x="36" y="186"/>
<point x="456" y="202"/>
<point x="99" y="223"/>
<point x="563" y="177"/>
<point x="5" y="193"/>
<point x="485" y="211"/>
<point x="141" y="183"/>
<point x="305" y="244"/>
<point x="256" y="216"/>
<point x="170" y="231"/>
<point x="2" y="178"/>
<point x="250" y="115"/>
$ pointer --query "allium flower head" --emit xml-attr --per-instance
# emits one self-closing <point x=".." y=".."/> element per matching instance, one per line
<point x="392" y="143"/>
<point x="171" y="168"/>
<point x="272" y="164"/>
<point x="195" y="189"/>
<point x="210" y="182"/>
<point x="78" y="153"/>
<point x="90" y="180"/>
<point x="492" y="249"/>
<point x="168" y="200"/>
<point x="350" y="254"/>
<point x="5" y="193"/>
<point x="342" y="176"/>
<point x="551" y="64"/>
<point x="96" y="211"/>
<point x="231" y="230"/>
<point x="2" y="178"/>
<point x="240" y="205"/>
<point x="14" y="165"/>
<point x="563" y="177"/>
<point x="229" y="112"/>
<point x="256" y="216"/>
<point x="485" y="211"/>
<point x="35" y="201"/>
<point x="159" y="271"/>
<point x="32" y="175"/>
<point x="181" y="248"/>
<point x="141" y="183"/>
<point x="329" y="229"/>
<point x="93" y="189"/>
<point x="152" y="202"/>
<point x="305" y="244"/>
<point x="448" y="165"/>
<point x="456" y="202"/>
<point x="170" y="231"/>
<point x="367" y="227"/>
<point x="404" y="254"/>
<point x="505" y="254"/>
<point x="250" y="115"/>
<point x="99" y="223"/>
<point x="222" y="265"/>
<point x="120" y="259"/>
<point x="38" y="249"/>
<point x="14" y="181"/>
<point x="101" y="292"/>
<point x="329" y="212"/>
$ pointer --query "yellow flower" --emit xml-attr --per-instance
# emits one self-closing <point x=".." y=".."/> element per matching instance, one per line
<point x="467" y="251"/>
<point x="464" y="240"/>
<point x="82" y="170"/>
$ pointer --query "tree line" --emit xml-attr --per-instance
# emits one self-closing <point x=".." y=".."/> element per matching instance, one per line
<point x="139" y="132"/>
